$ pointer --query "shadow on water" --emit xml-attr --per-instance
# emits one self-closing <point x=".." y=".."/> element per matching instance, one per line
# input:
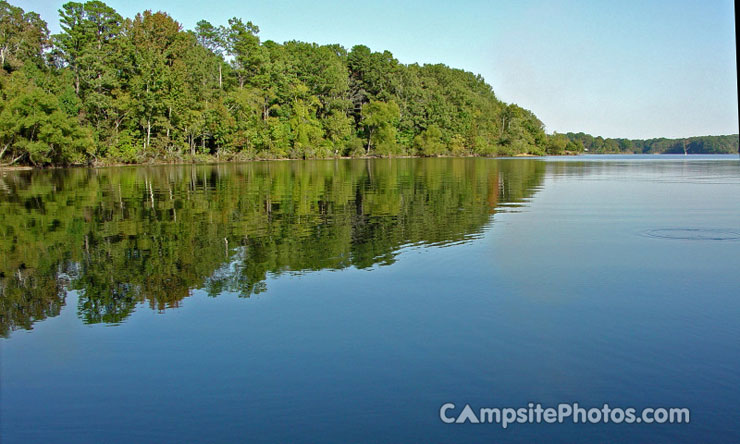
<point x="126" y="236"/>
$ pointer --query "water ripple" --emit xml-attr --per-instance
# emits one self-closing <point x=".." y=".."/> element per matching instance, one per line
<point x="702" y="234"/>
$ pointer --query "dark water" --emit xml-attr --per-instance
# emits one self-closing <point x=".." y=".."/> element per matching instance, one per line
<point x="346" y="301"/>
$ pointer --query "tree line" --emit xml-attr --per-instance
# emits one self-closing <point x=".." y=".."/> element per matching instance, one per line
<point x="129" y="90"/>
<point x="581" y="142"/>
<point x="109" y="89"/>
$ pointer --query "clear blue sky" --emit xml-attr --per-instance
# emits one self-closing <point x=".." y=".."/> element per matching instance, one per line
<point x="635" y="69"/>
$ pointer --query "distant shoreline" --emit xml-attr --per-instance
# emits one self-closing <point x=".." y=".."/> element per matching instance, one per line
<point x="214" y="160"/>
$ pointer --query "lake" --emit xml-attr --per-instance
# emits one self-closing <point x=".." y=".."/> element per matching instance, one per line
<point x="346" y="301"/>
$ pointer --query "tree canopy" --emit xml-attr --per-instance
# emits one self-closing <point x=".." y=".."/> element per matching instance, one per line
<point x="130" y="90"/>
<point x="142" y="89"/>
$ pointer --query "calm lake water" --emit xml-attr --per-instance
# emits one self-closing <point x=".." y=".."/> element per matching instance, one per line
<point x="346" y="301"/>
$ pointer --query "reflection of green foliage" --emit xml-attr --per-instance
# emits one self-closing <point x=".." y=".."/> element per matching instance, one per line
<point x="127" y="236"/>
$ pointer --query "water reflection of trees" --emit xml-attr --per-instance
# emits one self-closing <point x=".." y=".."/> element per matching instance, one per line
<point x="127" y="236"/>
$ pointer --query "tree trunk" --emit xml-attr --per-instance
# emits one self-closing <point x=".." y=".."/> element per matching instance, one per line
<point x="220" y="77"/>
<point x="370" y="136"/>
<point x="16" y="159"/>
<point x="148" y="132"/>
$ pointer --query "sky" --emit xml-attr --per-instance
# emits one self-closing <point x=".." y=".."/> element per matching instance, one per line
<point x="632" y="68"/>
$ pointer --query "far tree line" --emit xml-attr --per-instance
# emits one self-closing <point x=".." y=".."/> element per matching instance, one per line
<point x="109" y="89"/>
<point x="581" y="142"/>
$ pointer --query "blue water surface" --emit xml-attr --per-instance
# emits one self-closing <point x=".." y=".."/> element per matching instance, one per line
<point x="494" y="283"/>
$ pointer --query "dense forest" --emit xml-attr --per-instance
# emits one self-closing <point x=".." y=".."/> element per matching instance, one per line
<point x="123" y="237"/>
<point x="129" y="90"/>
<point x="110" y="89"/>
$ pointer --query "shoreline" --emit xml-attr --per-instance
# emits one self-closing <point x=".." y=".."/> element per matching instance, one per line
<point x="213" y="161"/>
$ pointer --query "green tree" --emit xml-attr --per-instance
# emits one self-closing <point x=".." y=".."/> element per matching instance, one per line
<point x="372" y="76"/>
<point x="158" y="85"/>
<point x="213" y="40"/>
<point x="88" y="48"/>
<point x="379" y="120"/>
<point x="248" y="57"/>
<point x="306" y="128"/>
<point x="34" y="128"/>
<point x="557" y="144"/>
<point x="23" y="37"/>
<point x="430" y="142"/>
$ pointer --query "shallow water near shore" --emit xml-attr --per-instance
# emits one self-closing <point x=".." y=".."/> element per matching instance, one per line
<point x="348" y="300"/>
